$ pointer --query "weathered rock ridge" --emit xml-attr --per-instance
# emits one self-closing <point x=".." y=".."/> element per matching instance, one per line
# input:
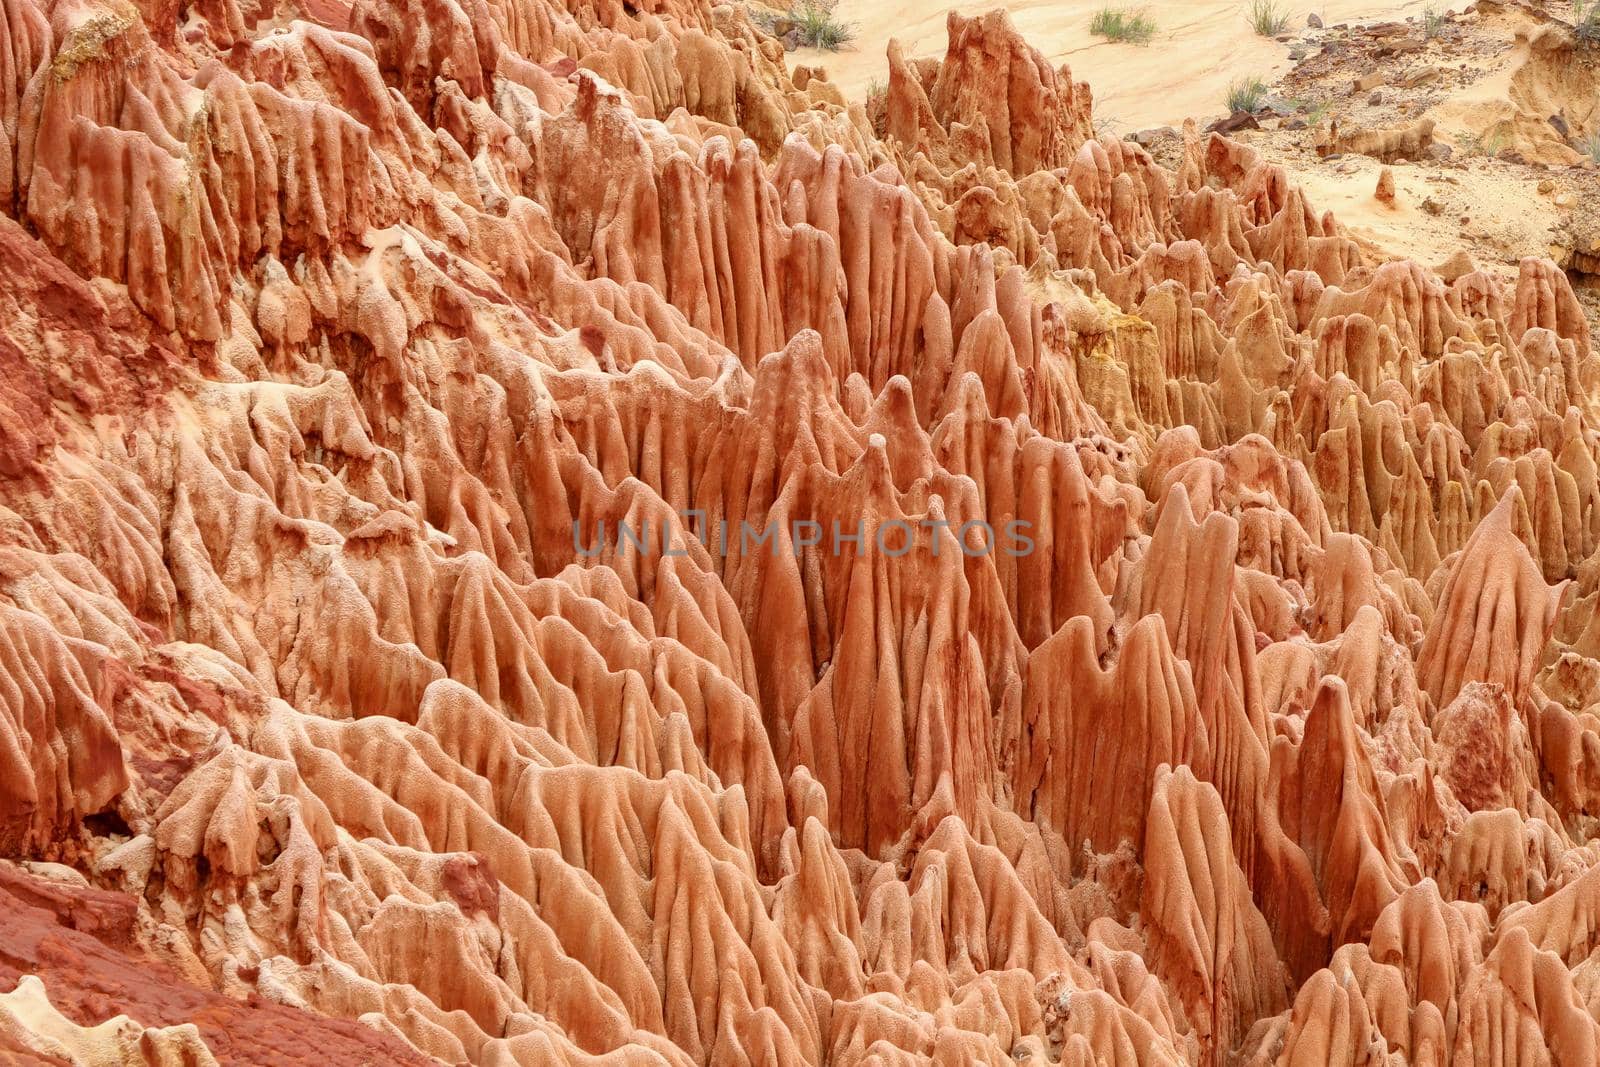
<point x="337" y="722"/>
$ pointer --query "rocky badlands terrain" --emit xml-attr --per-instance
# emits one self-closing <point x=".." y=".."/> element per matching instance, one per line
<point x="323" y="738"/>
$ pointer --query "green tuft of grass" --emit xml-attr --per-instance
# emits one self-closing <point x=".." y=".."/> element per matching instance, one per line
<point x="1591" y="146"/>
<point x="1129" y="25"/>
<point x="1246" y="94"/>
<point x="819" y="29"/>
<point x="1433" y="22"/>
<point x="1270" y="18"/>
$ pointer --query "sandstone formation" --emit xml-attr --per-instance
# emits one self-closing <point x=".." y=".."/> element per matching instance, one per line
<point x="339" y="722"/>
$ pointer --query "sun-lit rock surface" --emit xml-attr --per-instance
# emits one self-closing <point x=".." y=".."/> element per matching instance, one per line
<point x="338" y="723"/>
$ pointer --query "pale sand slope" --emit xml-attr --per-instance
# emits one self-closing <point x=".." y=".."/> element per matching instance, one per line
<point x="1200" y="47"/>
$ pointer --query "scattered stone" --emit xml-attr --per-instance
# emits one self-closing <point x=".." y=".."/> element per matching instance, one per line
<point x="1547" y="186"/>
<point x="1314" y="21"/>
<point x="1432" y="206"/>
<point x="1297" y="53"/>
<point x="1559" y="124"/>
<point x="1374" y="98"/>
<point x="1295" y="124"/>
<point x="1438" y="151"/>
<point x="791" y="40"/>
<point x="1425" y="76"/>
<point x="1368" y="82"/>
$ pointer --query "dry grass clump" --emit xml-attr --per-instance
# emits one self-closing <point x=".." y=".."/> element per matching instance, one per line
<point x="1270" y="18"/>
<point x="1126" y="25"/>
<point x="819" y="29"/>
<point x="1246" y="94"/>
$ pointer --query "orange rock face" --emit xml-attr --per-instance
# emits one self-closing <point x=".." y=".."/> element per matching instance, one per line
<point x="426" y="434"/>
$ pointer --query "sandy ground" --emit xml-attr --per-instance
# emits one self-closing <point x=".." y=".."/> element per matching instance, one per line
<point x="1496" y="217"/>
<point x="1200" y="47"/>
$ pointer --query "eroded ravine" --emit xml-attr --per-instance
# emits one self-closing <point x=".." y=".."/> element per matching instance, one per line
<point x="338" y="345"/>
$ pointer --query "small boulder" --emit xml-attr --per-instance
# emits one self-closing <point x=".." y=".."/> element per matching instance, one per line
<point x="1239" y="120"/>
<point x="1146" y="138"/>
<point x="1458" y="266"/>
<point x="1314" y="21"/>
